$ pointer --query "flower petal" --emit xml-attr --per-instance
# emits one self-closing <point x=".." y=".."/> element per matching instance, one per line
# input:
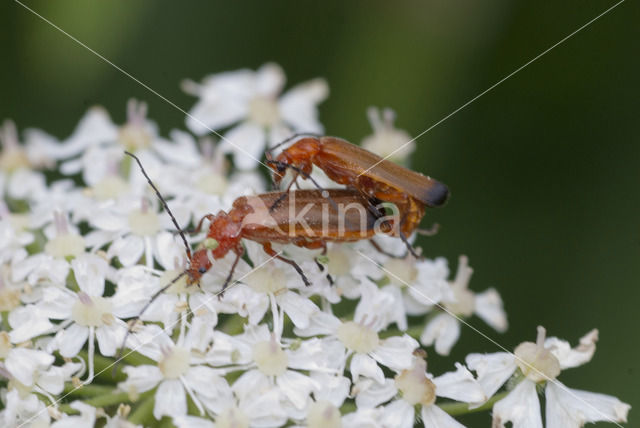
<point x="171" y="399"/>
<point x="444" y="330"/>
<point x="364" y="365"/>
<point x="460" y="386"/>
<point x="434" y="416"/>
<point x="269" y="79"/>
<point x="370" y="393"/>
<point x="71" y="339"/>
<point x="573" y="357"/>
<point x="489" y="307"/>
<point x="247" y="142"/>
<point x="23" y="363"/>
<point x="296" y="387"/>
<point x="399" y="414"/>
<point x="128" y="249"/>
<point x="110" y="337"/>
<point x="299" y="105"/>
<point x="141" y="378"/>
<point x="298" y="308"/>
<point x="572" y="408"/>
<point x="521" y="407"/>
<point x="396" y="352"/>
<point x="493" y="369"/>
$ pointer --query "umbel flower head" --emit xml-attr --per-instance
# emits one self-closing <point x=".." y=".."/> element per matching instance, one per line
<point x="87" y="251"/>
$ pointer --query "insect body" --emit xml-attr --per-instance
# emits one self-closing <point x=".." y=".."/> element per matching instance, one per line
<point x="373" y="176"/>
<point x="305" y="219"/>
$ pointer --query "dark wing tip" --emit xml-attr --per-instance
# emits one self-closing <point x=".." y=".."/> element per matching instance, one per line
<point x="437" y="194"/>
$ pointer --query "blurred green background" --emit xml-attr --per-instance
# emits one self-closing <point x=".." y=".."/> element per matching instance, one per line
<point x="544" y="169"/>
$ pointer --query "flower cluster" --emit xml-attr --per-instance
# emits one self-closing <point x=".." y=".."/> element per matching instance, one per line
<point x="86" y="244"/>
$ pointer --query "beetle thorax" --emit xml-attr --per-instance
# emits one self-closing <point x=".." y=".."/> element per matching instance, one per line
<point x="227" y="232"/>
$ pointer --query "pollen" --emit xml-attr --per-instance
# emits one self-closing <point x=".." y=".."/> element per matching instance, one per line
<point x="65" y="245"/>
<point x="264" y="111"/>
<point x="5" y="344"/>
<point x="270" y="357"/>
<point x="267" y="279"/>
<point x="536" y="362"/>
<point x="178" y="287"/>
<point x="415" y="386"/>
<point x="338" y="262"/>
<point x="357" y="337"/>
<point x="323" y="414"/>
<point x="109" y="187"/>
<point x="232" y="418"/>
<point x="401" y="271"/>
<point x="135" y="136"/>
<point x="92" y="311"/>
<point x="175" y="363"/>
<point x="213" y="184"/>
<point x="9" y="298"/>
<point x="144" y="223"/>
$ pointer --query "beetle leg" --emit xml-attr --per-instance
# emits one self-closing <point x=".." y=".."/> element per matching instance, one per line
<point x="405" y="240"/>
<point x="284" y="195"/>
<point x="323" y="245"/>
<point x="197" y="229"/>
<point x="269" y="250"/>
<point x="239" y="252"/>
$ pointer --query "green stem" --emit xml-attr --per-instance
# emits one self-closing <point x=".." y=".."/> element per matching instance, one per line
<point x="413" y="331"/>
<point x="99" y="401"/>
<point x="87" y="390"/>
<point x="456" y="409"/>
<point x="143" y="414"/>
<point x="234" y="325"/>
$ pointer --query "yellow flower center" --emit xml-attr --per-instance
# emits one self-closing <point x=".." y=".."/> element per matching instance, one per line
<point x="536" y="362"/>
<point x="270" y="358"/>
<point x="175" y="363"/>
<point x="323" y="414"/>
<point x="92" y="311"/>
<point x="264" y="111"/>
<point x="232" y="418"/>
<point x="357" y="337"/>
<point x="415" y="386"/>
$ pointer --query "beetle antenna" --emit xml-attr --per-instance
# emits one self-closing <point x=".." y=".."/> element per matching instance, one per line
<point x="164" y="203"/>
<point x="135" y="320"/>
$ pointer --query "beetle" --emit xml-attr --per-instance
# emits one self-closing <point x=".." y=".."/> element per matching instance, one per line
<point x="357" y="168"/>
<point x="304" y="219"/>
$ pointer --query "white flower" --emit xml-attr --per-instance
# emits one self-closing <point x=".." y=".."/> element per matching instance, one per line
<point x="86" y="418"/>
<point x="20" y="411"/>
<point x="359" y="338"/>
<point x="444" y="329"/>
<point x="251" y="98"/>
<point x="178" y="372"/>
<point x="423" y="282"/>
<point x="416" y="387"/>
<point x="541" y="363"/>
<point x="388" y="141"/>
<point x="271" y="362"/>
<point x="269" y="284"/>
<point x="86" y="315"/>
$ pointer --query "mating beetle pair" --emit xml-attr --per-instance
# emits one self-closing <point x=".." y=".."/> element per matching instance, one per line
<point x="274" y="217"/>
<point x="369" y="180"/>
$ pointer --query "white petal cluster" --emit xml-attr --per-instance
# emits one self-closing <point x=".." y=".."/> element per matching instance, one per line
<point x="85" y="245"/>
